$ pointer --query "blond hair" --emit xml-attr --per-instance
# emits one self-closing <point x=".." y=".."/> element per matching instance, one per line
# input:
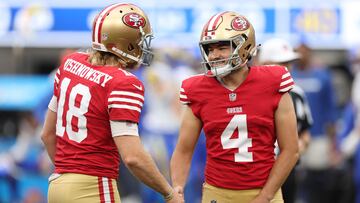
<point x="100" y="58"/>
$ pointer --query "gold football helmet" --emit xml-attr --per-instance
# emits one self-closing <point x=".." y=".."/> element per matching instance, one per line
<point x="234" y="29"/>
<point x="124" y="30"/>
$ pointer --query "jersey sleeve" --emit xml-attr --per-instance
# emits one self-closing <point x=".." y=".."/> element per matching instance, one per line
<point x="187" y="96"/>
<point x="183" y="95"/>
<point x="125" y="100"/>
<point x="56" y="83"/>
<point x="286" y="81"/>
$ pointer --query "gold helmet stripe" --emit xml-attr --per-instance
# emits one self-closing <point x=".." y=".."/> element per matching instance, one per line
<point x="212" y="24"/>
<point x="100" y="19"/>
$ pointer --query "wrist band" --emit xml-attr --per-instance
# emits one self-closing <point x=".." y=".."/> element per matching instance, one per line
<point x="169" y="196"/>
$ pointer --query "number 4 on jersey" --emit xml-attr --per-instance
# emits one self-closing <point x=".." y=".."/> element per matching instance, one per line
<point x="242" y="142"/>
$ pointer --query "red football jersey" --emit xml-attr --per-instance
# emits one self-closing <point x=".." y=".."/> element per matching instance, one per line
<point x="88" y="97"/>
<point x="239" y="125"/>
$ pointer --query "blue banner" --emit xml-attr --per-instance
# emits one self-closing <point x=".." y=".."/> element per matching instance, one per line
<point x="179" y="22"/>
<point x="23" y="92"/>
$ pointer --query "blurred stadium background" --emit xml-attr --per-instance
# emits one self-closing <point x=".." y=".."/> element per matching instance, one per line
<point x="35" y="34"/>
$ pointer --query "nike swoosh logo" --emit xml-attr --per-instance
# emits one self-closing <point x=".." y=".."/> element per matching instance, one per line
<point x="137" y="87"/>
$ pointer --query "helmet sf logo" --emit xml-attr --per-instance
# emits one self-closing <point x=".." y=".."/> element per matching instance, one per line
<point x="239" y="23"/>
<point x="134" y="20"/>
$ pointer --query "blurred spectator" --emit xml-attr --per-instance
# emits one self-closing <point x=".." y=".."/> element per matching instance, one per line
<point x="26" y="162"/>
<point x="23" y="159"/>
<point x="355" y="94"/>
<point x="160" y="83"/>
<point x="161" y="117"/>
<point x="280" y="52"/>
<point x="341" y="80"/>
<point x="322" y="157"/>
<point x="348" y="141"/>
<point x="349" y="138"/>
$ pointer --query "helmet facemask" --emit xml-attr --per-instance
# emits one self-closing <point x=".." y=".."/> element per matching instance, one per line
<point x="145" y="45"/>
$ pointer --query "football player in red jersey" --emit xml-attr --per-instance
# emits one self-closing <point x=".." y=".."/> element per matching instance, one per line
<point x="242" y="111"/>
<point x="93" y="115"/>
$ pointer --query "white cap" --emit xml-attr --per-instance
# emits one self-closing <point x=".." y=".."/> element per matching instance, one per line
<point x="277" y="51"/>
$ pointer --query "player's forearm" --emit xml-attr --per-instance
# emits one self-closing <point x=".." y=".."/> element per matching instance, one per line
<point x="48" y="134"/>
<point x="50" y="145"/>
<point x="280" y="171"/>
<point x="144" y="168"/>
<point x="179" y="168"/>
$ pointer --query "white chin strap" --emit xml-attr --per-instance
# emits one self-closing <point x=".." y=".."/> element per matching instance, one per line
<point x="101" y="47"/>
<point x="224" y="70"/>
<point x="125" y="54"/>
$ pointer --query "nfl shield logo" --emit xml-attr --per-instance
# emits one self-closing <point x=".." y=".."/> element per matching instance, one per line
<point x="232" y="96"/>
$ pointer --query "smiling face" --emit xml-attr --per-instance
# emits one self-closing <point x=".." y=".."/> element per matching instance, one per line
<point x="218" y="54"/>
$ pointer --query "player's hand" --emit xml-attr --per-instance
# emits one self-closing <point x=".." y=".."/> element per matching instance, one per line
<point x="260" y="199"/>
<point x="179" y="190"/>
<point x="177" y="198"/>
